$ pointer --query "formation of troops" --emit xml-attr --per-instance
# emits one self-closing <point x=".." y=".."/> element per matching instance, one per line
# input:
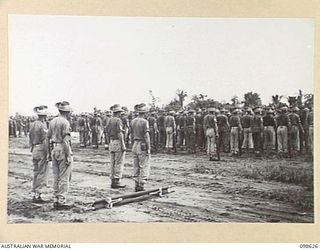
<point x="285" y="132"/>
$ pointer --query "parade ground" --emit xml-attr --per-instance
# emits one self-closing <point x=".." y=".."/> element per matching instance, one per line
<point x="236" y="189"/>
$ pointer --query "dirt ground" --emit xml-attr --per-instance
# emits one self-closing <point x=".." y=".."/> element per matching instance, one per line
<point x="232" y="190"/>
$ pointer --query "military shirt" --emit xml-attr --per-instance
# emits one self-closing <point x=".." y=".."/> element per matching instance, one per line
<point x="38" y="133"/>
<point x="295" y="120"/>
<point x="247" y="121"/>
<point x="152" y="120"/>
<point x="169" y="121"/>
<point x="160" y="121"/>
<point x="209" y="121"/>
<point x="222" y="121"/>
<point x="140" y="127"/>
<point x="114" y="127"/>
<point x="310" y="118"/>
<point x="235" y="121"/>
<point x="268" y="120"/>
<point x="59" y="127"/>
<point x="283" y="120"/>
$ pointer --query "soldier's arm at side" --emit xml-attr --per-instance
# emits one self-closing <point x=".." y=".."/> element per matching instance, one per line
<point x="147" y="138"/>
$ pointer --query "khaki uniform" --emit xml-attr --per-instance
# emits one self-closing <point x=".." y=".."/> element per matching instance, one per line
<point x="117" y="154"/>
<point x="283" y="123"/>
<point x="191" y="133"/>
<point x="294" y="132"/>
<point x="210" y="126"/>
<point x="269" y="135"/>
<point x="247" y="122"/>
<point x="39" y="149"/>
<point x="235" y="124"/>
<point x="170" y="126"/>
<point x="141" y="166"/>
<point x="59" y="133"/>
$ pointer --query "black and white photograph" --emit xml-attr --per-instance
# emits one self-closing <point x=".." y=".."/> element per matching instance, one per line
<point x="160" y="119"/>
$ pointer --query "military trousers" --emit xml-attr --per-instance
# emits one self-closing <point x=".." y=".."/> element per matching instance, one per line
<point x="141" y="163"/>
<point x="61" y="173"/>
<point x="247" y="139"/>
<point x="82" y="136"/>
<point x="40" y="168"/>
<point x="200" y="136"/>
<point x="211" y="142"/>
<point x="310" y="138"/>
<point x="190" y="139"/>
<point x="269" y="138"/>
<point x="224" y="140"/>
<point x="234" y="140"/>
<point x="117" y="156"/>
<point x="282" y="139"/>
<point x="294" y="138"/>
<point x="169" y="135"/>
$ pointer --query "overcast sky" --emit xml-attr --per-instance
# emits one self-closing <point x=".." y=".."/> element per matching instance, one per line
<point x="100" y="61"/>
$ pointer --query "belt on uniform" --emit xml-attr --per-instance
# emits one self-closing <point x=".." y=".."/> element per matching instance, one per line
<point x="56" y="143"/>
<point x="36" y="144"/>
<point x="234" y="127"/>
<point x="138" y="140"/>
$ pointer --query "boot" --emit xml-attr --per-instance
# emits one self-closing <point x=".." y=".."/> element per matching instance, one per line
<point x="139" y="187"/>
<point x="115" y="183"/>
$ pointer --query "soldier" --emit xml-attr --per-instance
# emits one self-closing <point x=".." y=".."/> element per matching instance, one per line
<point x="191" y="131"/>
<point x="82" y="130"/>
<point x="59" y="134"/>
<point x="105" y="122"/>
<point x="211" y="131"/>
<point x="235" y="132"/>
<point x="283" y="125"/>
<point x="182" y="129"/>
<point x="247" y="123"/>
<point x="170" y="126"/>
<point x="257" y="131"/>
<point x="296" y="127"/>
<point x="126" y="126"/>
<point x="95" y="124"/>
<point x="223" y="129"/>
<point x="270" y="125"/>
<point x="304" y="136"/>
<point x="162" y="129"/>
<point x="310" y="131"/>
<point x="117" y="146"/>
<point x="39" y="148"/>
<point x="153" y="130"/>
<point x="199" y="130"/>
<point x="141" y="148"/>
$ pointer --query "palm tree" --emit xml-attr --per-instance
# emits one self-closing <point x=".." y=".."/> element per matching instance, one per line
<point x="276" y="100"/>
<point x="182" y="96"/>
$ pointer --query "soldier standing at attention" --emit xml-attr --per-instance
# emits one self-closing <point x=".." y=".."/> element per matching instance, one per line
<point x="117" y="146"/>
<point x="310" y="132"/>
<point x="257" y="131"/>
<point x="105" y="122"/>
<point x="236" y="128"/>
<point x="39" y="148"/>
<point x="141" y="147"/>
<point x="59" y="134"/>
<point x="170" y="126"/>
<point x="283" y="126"/>
<point x="247" y="122"/>
<point x="162" y="129"/>
<point x="191" y="131"/>
<point x="269" y="124"/>
<point x="211" y="131"/>
<point x="223" y="129"/>
<point x="296" y="127"/>
<point x="153" y="130"/>
<point x="94" y="130"/>
<point x="199" y="130"/>
<point x="81" y="129"/>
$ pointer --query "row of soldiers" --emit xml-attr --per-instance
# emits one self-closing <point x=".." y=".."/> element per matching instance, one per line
<point x="19" y="125"/>
<point x="51" y="141"/>
<point x="288" y="131"/>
